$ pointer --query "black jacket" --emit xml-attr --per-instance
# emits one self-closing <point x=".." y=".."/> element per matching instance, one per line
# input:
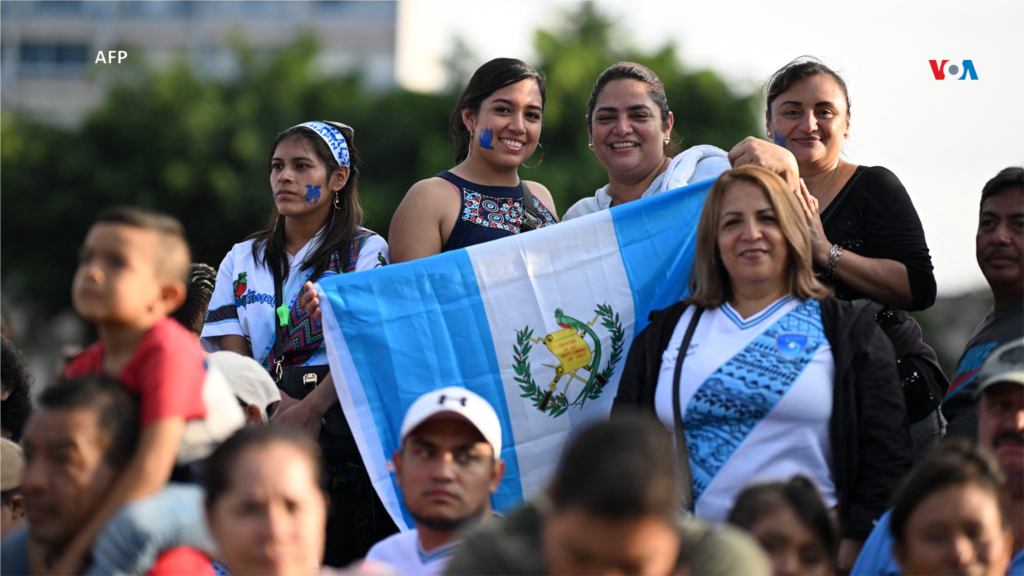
<point x="868" y="429"/>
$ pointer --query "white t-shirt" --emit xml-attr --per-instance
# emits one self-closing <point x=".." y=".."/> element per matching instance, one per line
<point x="791" y="438"/>
<point x="405" y="554"/>
<point x="693" y="165"/>
<point x="243" y="298"/>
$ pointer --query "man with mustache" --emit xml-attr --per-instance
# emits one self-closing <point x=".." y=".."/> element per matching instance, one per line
<point x="999" y="247"/>
<point x="448" y="464"/>
<point x="1000" y="416"/>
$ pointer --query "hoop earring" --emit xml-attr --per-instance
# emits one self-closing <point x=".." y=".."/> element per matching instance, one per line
<point x="538" y="161"/>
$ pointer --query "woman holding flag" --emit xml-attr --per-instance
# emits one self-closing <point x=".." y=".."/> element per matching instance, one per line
<point x="495" y="128"/>
<point x="630" y="129"/>
<point x="779" y="377"/>
<point x="314" y="231"/>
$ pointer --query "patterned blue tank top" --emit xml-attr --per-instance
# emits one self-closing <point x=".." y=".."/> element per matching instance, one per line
<point x="488" y="213"/>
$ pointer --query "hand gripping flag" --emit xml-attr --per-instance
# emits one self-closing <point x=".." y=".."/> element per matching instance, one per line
<point x="539" y="324"/>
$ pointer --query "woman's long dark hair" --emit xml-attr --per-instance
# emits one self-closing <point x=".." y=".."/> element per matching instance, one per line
<point x="342" y="225"/>
<point x="487" y="80"/>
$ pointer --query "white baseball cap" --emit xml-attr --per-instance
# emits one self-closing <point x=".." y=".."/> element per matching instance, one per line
<point x="461" y="402"/>
<point x="12" y="465"/>
<point x="249" y="381"/>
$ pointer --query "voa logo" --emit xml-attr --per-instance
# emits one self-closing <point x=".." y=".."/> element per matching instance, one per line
<point x="943" y="70"/>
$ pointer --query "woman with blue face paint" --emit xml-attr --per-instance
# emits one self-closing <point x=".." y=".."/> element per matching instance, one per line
<point x="762" y="374"/>
<point x="867" y="239"/>
<point x="495" y="128"/>
<point x="314" y="231"/>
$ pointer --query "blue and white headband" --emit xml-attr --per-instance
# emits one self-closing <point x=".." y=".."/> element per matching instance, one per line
<point x="334" y="139"/>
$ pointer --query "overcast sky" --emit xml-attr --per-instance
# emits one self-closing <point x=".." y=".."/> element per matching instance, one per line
<point x="943" y="139"/>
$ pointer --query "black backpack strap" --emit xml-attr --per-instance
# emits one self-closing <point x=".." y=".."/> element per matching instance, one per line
<point x="531" y="221"/>
<point x="277" y="360"/>
<point x="682" y="451"/>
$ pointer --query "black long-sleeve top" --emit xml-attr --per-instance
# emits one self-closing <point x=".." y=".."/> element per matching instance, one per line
<point x="874" y="217"/>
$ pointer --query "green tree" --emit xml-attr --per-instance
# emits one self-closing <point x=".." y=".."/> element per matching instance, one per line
<point x="196" y="148"/>
<point x="574" y="55"/>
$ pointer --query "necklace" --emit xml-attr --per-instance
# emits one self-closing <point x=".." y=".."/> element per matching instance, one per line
<point x="827" y="192"/>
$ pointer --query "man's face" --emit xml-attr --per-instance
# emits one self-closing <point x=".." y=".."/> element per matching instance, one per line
<point x="447" y="472"/>
<point x="1000" y="239"/>
<point x="1001" y="428"/>
<point x="65" y="473"/>
<point x="578" y="542"/>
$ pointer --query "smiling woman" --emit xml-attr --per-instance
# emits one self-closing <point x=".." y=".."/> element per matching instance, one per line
<point x="314" y="232"/>
<point x="495" y="128"/>
<point x="762" y="373"/>
<point x="867" y="240"/>
<point x="630" y="128"/>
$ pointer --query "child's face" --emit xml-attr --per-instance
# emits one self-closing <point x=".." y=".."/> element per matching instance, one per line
<point x="116" y="281"/>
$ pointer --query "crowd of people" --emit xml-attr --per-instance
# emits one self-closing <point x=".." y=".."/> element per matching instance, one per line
<point x="784" y="417"/>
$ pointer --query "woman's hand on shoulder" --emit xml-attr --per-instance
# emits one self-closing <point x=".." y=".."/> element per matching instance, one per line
<point x="544" y="195"/>
<point x="768" y="155"/>
<point x="423" y="220"/>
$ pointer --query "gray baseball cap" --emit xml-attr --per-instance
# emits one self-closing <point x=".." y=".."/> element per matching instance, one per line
<point x="1004" y="364"/>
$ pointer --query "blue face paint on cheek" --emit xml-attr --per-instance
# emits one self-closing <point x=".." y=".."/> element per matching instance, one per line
<point x="486" y="135"/>
<point x="780" y="139"/>
<point x="312" y="194"/>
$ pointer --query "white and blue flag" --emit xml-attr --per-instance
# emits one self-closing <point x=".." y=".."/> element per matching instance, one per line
<point x="539" y="324"/>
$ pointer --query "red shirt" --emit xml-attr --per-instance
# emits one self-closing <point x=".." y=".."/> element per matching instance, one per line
<point x="182" y="561"/>
<point x="166" y="371"/>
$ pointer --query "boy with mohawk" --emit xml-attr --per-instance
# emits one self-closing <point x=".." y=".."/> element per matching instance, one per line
<point x="131" y="277"/>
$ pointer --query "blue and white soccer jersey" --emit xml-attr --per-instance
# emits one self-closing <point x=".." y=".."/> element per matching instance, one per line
<point x="756" y="395"/>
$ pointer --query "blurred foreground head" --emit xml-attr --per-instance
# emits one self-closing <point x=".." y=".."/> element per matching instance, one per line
<point x="264" y="504"/>
<point x="132" y="268"/>
<point x="951" y="515"/>
<point x="792" y="524"/>
<point x="78" y="440"/>
<point x="12" y="503"/>
<point x="615" y="501"/>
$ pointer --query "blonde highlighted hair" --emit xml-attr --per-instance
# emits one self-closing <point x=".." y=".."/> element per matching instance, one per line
<point x="710" y="284"/>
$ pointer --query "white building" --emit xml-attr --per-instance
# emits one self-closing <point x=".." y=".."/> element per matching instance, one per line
<point x="49" y="48"/>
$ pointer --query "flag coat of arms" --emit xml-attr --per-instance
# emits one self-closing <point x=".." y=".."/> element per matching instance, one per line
<point x="539" y="324"/>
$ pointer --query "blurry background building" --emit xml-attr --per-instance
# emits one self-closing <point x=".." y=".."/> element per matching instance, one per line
<point x="49" y="48"/>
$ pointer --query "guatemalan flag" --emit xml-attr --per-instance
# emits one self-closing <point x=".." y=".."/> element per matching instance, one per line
<point x="539" y="324"/>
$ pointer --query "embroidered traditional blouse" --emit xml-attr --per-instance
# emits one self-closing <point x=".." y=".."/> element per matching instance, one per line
<point x="243" y="300"/>
<point x="488" y="213"/>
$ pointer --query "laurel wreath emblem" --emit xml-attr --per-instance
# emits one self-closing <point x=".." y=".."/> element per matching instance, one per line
<point x="559" y="404"/>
